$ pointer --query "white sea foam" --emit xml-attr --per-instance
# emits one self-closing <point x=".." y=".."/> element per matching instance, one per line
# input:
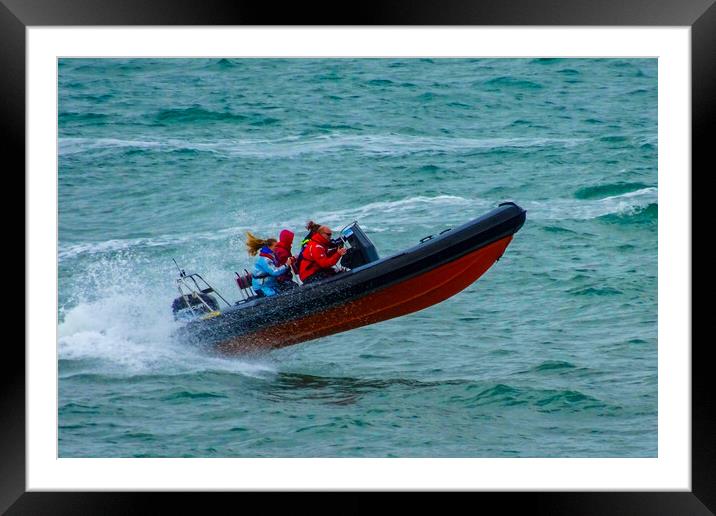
<point x="387" y="144"/>
<point x="120" y="319"/>
<point x="128" y="334"/>
<point x="574" y="209"/>
<point x="412" y="209"/>
<point x="383" y="216"/>
<point x="68" y="146"/>
<point x="72" y="250"/>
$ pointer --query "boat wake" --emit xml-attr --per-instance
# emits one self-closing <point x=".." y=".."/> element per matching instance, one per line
<point x="293" y="146"/>
<point x="405" y="214"/>
<point x="123" y="335"/>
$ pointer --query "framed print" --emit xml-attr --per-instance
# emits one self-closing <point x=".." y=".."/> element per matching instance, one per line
<point x="184" y="137"/>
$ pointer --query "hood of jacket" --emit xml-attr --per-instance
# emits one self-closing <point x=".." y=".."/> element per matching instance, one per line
<point x="285" y="239"/>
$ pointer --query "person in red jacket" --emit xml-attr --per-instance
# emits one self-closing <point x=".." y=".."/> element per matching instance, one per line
<point x="282" y="251"/>
<point x="317" y="260"/>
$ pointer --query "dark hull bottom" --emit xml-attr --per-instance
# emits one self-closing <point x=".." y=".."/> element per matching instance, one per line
<point x="403" y="298"/>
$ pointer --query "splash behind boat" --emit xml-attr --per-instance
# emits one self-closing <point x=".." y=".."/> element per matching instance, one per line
<point x="370" y="290"/>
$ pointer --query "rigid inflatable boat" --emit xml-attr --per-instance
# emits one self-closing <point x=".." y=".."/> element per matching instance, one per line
<point x="369" y="289"/>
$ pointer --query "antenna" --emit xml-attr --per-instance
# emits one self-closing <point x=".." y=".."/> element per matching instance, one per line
<point x="181" y="271"/>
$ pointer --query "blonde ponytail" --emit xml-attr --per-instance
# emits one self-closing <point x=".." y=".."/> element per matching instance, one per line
<point x="254" y="243"/>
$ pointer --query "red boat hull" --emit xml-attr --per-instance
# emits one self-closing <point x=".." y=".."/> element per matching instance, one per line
<point x="410" y="295"/>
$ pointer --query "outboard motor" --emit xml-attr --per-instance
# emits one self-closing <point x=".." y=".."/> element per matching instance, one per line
<point x="192" y="305"/>
<point x="361" y="250"/>
<point x="194" y="299"/>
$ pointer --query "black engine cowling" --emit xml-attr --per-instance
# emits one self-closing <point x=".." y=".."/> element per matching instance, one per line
<point x="181" y="310"/>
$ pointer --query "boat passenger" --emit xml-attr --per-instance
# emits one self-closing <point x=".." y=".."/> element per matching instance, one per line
<point x="283" y="253"/>
<point x="312" y="227"/>
<point x="317" y="257"/>
<point x="266" y="269"/>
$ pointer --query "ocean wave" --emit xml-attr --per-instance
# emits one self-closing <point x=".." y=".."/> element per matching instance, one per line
<point x="546" y="60"/>
<point x="553" y="365"/>
<point x="394" y="215"/>
<point x="372" y="217"/>
<point x="594" y="291"/>
<point x="343" y="390"/>
<point x="558" y="229"/>
<point x="542" y="400"/>
<point x="569" y="71"/>
<point x="93" y="118"/>
<point x="127" y="331"/>
<point x="624" y="205"/>
<point x="72" y="250"/>
<point x="615" y="138"/>
<point x="291" y="146"/>
<point x="513" y="82"/>
<point x="380" y="82"/>
<point x="383" y="216"/>
<point x="607" y="190"/>
<point x="68" y="146"/>
<point x="197" y="114"/>
<point x="336" y="389"/>
<point x="638" y="215"/>
<point x="184" y="394"/>
<point x="224" y="64"/>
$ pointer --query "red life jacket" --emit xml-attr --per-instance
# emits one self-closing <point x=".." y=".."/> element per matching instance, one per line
<point x="315" y="258"/>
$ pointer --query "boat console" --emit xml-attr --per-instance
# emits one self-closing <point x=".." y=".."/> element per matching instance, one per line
<point x="360" y="249"/>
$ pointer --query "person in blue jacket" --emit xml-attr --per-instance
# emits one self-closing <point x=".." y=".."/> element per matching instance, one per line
<point x="266" y="270"/>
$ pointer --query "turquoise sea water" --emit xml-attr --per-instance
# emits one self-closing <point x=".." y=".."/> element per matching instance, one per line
<point x="552" y="353"/>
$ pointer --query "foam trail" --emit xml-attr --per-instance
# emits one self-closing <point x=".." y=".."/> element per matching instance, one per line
<point x="409" y="210"/>
<point x="626" y="203"/>
<point x="414" y="210"/>
<point x="417" y="210"/>
<point x="124" y="338"/>
<point x="72" y="250"/>
<point x="292" y="146"/>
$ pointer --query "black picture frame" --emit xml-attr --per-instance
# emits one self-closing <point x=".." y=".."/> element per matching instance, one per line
<point x="17" y="15"/>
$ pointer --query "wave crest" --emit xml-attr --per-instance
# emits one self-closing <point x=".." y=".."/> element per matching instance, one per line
<point x="292" y="146"/>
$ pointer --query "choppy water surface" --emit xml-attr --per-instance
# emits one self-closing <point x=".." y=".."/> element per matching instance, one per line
<point x="552" y="353"/>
